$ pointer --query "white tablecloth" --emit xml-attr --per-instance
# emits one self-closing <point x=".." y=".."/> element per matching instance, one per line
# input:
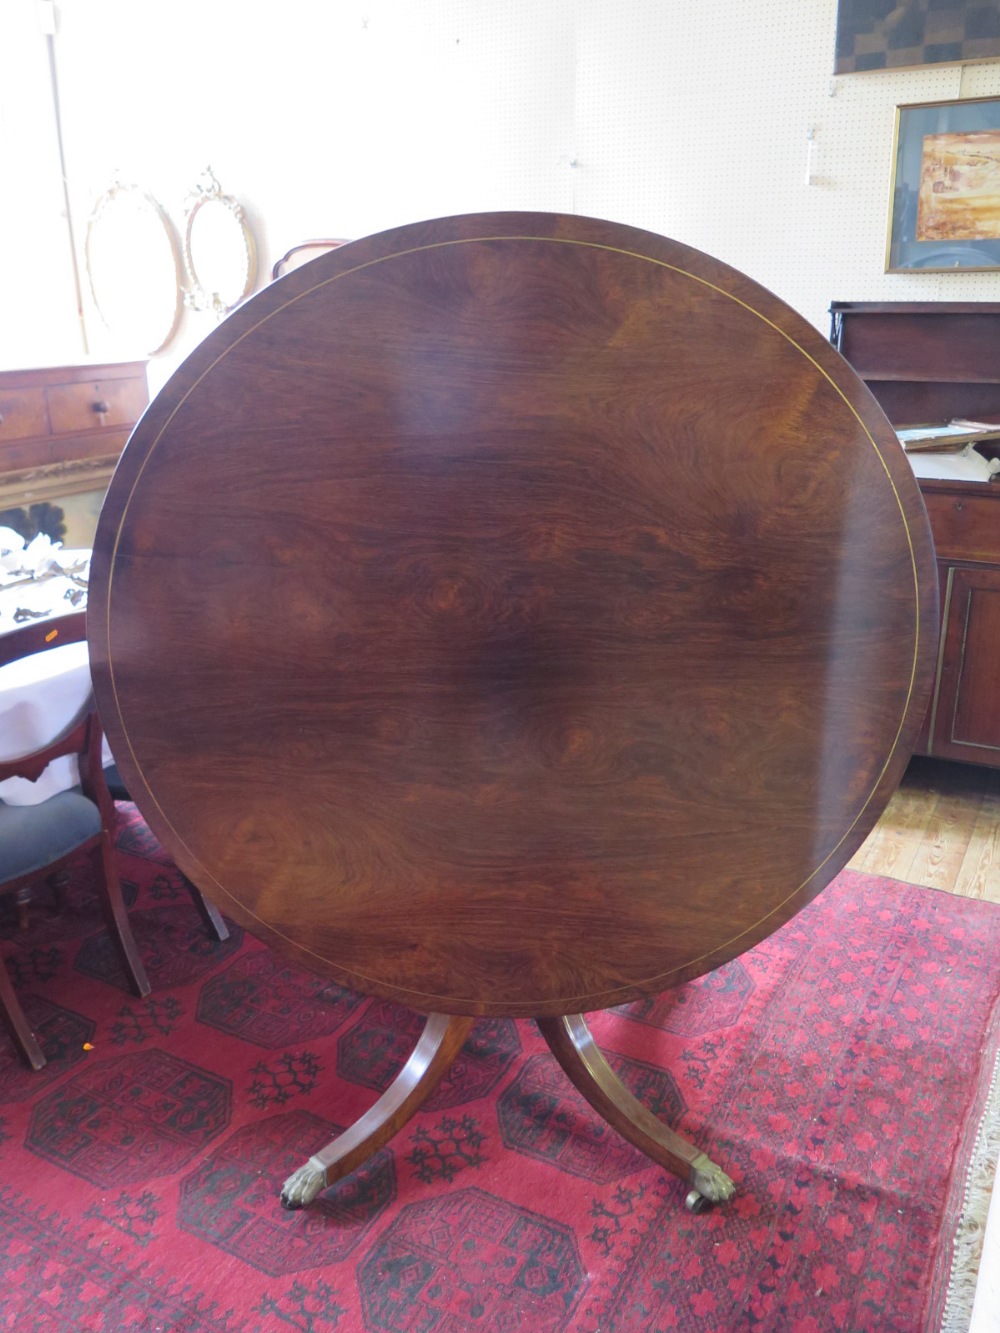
<point x="40" y="696"/>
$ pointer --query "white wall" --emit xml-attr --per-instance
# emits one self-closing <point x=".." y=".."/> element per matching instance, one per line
<point x="39" y="316"/>
<point x="341" y="117"/>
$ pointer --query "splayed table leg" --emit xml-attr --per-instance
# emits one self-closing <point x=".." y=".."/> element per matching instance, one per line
<point x="433" y="1055"/>
<point x="573" y="1045"/>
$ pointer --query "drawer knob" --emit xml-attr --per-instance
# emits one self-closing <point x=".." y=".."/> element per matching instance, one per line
<point x="101" y="406"/>
<point x="959" y="504"/>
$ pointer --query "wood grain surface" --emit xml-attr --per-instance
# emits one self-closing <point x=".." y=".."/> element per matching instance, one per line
<point x="512" y="614"/>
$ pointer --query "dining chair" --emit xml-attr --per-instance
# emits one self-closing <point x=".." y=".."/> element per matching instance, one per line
<point x="40" y="839"/>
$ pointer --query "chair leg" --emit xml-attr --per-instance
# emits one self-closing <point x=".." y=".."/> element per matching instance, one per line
<point x="208" y="911"/>
<point x="58" y="882"/>
<point x="22" y="899"/>
<point x="16" y="1023"/>
<point x="116" y="916"/>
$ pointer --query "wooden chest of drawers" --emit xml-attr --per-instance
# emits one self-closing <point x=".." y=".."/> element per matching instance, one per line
<point x="965" y="520"/>
<point x="62" y="428"/>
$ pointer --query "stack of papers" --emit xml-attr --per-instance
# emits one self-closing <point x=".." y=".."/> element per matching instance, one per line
<point x="947" y="437"/>
<point x="964" y="465"/>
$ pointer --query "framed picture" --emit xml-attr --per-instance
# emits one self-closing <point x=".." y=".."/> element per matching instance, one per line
<point x="944" y="212"/>
<point x="909" y="34"/>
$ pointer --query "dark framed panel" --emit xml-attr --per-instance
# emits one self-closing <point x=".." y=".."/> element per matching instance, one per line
<point x="905" y="34"/>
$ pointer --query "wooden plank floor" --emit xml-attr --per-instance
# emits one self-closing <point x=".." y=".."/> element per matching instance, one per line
<point x="941" y="829"/>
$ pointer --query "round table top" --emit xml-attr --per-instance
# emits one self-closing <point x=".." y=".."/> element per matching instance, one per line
<point x="513" y="614"/>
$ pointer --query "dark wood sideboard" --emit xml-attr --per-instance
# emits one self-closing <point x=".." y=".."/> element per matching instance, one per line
<point x="926" y="362"/>
<point x="62" y="428"/>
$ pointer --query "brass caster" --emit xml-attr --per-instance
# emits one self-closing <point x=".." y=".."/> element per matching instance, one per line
<point x="697" y="1203"/>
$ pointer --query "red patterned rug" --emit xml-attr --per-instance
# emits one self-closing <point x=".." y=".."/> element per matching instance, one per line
<point x="839" y="1072"/>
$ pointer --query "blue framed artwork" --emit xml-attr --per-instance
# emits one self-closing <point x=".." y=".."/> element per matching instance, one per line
<point x="944" y="211"/>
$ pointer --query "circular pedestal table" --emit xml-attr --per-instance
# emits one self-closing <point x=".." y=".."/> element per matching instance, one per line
<point x="515" y="615"/>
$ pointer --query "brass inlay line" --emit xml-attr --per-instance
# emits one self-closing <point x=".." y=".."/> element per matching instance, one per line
<point x="726" y="946"/>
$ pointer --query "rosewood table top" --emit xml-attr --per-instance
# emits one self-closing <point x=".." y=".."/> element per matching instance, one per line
<point x="512" y="614"/>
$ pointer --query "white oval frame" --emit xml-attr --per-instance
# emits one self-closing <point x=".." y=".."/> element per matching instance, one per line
<point x="133" y="268"/>
<point x="219" y="281"/>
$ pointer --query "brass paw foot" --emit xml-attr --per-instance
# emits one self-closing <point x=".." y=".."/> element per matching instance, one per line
<point x="711" y="1185"/>
<point x="303" y="1185"/>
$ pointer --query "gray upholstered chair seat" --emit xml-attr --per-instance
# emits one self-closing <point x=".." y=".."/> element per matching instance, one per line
<point x="33" y="836"/>
<point x="113" y="781"/>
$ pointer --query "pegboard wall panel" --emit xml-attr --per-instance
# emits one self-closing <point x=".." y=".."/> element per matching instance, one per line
<point x="472" y="108"/>
<point x="694" y="118"/>
<point x="721" y="125"/>
<point x="698" y="119"/>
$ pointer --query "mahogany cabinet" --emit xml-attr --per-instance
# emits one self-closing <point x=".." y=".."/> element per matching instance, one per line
<point x="964" y="718"/>
<point x="62" y="428"/>
<point x="924" y="362"/>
